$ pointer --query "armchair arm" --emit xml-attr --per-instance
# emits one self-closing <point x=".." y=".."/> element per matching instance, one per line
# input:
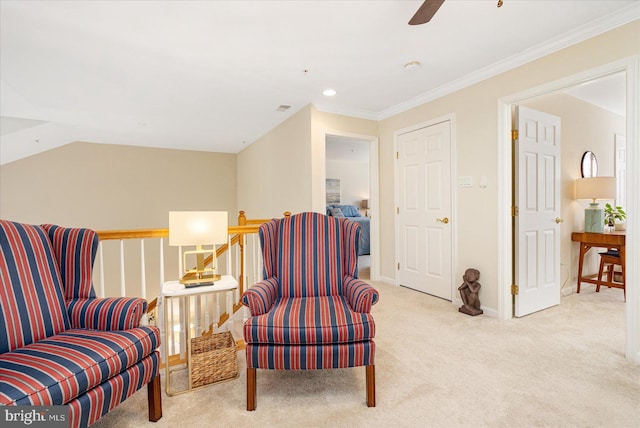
<point x="260" y="298"/>
<point x="359" y="294"/>
<point x="109" y="313"/>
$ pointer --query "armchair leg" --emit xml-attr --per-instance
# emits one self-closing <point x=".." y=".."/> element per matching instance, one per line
<point x="154" y="396"/>
<point x="371" y="386"/>
<point x="251" y="389"/>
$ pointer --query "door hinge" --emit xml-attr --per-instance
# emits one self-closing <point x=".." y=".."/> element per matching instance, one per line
<point x="398" y="266"/>
<point x="397" y="155"/>
<point x="398" y="210"/>
<point x="514" y="211"/>
<point x="514" y="135"/>
<point x="515" y="290"/>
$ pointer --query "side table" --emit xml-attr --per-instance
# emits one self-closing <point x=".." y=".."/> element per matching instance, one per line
<point x="172" y="290"/>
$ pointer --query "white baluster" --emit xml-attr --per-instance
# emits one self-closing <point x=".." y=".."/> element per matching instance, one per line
<point x="172" y="345"/>
<point x="197" y="315"/>
<point x="143" y="280"/>
<point x="207" y="318"/>
<point x="229" y="255"/>
<point x="184" y="320"/>
<point x="161" y="261"/>
<point x="122" y="281"/>
<point x="101" y="291"/>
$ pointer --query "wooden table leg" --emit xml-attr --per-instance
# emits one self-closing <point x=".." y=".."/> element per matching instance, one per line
<point x="583" y="250"/>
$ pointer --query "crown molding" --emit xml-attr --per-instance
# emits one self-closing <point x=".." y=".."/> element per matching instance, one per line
<point x="582" y="33"/>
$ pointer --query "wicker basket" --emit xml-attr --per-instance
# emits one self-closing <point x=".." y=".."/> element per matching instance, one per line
<point x="213" y="359"/>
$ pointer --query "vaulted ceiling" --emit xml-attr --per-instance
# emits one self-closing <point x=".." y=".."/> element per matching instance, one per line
<point x="212" y="75"/>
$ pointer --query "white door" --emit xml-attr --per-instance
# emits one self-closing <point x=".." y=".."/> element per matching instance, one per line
<point x="424" y="209"/>
<point x="537" y="221"/>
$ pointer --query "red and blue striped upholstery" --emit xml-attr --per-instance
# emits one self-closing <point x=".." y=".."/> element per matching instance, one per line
<point x="310" y="320"/>
<point x="31" y="298"/>
<point x="286" y="357"/>
<point x="90" y="353"/>
<point x="311" y="311"/>
<point x="76" y="250"/>
<point x="58" y="369"/>
<point x="90" y="407"/>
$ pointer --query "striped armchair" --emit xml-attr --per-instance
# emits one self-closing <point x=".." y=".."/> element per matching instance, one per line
<point x="59" y="343"/>
<point x="310" y="311"/>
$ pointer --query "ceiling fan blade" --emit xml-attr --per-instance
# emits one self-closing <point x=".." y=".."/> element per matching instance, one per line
<point x="426" y="12"/>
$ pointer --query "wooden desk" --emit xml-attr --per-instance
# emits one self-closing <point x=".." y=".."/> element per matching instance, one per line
<point x="588" y="240"/>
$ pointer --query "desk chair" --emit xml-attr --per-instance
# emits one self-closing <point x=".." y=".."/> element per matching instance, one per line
<point x="608" y="261"/>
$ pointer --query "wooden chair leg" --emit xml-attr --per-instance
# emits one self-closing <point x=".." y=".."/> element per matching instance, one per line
<point x="154" y="396"/>
<point x="600" y="271"/>
<point x="371" y="386"/>
<point x="251" y="389"/>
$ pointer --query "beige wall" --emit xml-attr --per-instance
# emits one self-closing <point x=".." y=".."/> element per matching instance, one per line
<point x="285" y="169"/>
<point x="106" y="187"/>
<point x="103" y="186"/>
<point x="584" y="127"/>
<point x="476" y="117"/>
<point x="274" y="172"/>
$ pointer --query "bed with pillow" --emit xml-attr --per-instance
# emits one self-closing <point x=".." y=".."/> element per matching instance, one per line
<point x="351" y="212"/>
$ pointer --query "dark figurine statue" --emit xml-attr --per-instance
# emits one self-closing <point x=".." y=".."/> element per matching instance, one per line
<point x="469" y="293"/>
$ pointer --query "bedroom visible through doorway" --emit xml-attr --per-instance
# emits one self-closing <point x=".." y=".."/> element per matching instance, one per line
<point x="348" y="189"/>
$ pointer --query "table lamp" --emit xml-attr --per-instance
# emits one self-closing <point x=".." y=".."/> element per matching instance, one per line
<point x="198" y="228"/>
<point x="595" y="188"/>
<point x="365" y="206"/>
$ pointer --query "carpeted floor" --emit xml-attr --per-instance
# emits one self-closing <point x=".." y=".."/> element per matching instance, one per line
<point x="435" y="367"/>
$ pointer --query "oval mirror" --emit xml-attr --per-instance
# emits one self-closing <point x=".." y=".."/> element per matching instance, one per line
<point x="589" y="165"/>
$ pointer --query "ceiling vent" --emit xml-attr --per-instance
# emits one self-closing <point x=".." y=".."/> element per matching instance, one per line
<point x="283" y="107"/>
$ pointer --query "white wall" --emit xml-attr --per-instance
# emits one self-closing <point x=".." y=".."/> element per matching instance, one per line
<point x="274" y="173"/>
<point x="354" y="180"/>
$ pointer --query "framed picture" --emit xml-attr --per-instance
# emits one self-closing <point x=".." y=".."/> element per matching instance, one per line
<point x="333" y="191"/>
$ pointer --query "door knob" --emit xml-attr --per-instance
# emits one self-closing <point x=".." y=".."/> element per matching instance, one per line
<point x="559" y="220"/>
<point x="443" y="220"/>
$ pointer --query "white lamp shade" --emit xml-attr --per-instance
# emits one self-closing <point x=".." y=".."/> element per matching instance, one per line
<point x="198" y="227"/>
<point x="596" y="188"/>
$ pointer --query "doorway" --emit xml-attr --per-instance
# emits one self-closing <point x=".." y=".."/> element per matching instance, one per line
<point x="351" y="177"/>
<point x="630" y="68"/>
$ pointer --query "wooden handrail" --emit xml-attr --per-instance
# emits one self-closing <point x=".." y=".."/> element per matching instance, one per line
<point x="106" y="235"/>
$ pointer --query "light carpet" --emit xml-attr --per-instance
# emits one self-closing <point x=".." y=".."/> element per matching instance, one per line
<point x="436" y="367"/>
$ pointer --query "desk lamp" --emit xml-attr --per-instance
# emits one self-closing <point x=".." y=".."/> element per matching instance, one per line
<point x="198" y="228"/>
<point x="595" y="188"/>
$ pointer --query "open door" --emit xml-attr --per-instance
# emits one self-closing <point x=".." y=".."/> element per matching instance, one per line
<point x="537" y="211"/>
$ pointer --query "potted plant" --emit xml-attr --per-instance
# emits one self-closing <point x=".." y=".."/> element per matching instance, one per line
<point x="611" y="214"/>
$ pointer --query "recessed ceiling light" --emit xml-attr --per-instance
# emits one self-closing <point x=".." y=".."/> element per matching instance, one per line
<point x="413" y="65"/>
<point x="329" y="92"/>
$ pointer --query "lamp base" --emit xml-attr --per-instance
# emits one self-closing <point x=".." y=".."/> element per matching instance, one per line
<point x="191" y="280"/>
<point x="594" y="219"/>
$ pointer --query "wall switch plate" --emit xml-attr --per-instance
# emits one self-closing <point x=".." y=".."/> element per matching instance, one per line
<point x="465" y="181"/>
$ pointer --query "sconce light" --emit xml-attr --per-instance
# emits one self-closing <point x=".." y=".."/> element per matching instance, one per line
<point x="198" y="228"/>
<point x="595" y="188"/>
